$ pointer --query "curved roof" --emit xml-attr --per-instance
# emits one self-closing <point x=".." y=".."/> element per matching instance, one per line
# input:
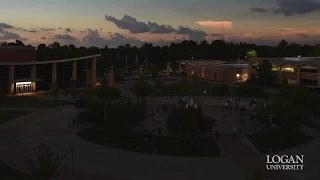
<point x="314" y="63"/>
<point x="50" y="62"/>
<point x="203" y="61"/>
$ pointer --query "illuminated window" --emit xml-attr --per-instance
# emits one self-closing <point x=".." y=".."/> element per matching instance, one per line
<point x="288" y="69"/>
<point x="192" y="72"/>
<point x="275" y="69"/>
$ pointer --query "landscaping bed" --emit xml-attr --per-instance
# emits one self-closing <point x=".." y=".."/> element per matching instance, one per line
<point x="9" y="173"/>
<point x="173" y="146"/>
<point x="276" y="140"/>
<point x="32" y="102"/>
<point x="7" y="115"/>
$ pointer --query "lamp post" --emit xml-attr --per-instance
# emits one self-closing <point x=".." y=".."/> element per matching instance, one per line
<point x="238" y="75"/>
<point x="270" y="119"/>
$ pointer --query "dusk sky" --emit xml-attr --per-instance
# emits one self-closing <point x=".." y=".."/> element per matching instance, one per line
<point x="119" y="22"/>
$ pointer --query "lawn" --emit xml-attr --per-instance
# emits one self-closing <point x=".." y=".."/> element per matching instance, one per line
<point x="7" y="115"/>
<point x="276" y="140"/>
<point x="310" y="123"/>
<point x="8" y="173"/>
<point x="173" y="146"/>
<point x="196" y="88"/>
<point x="32" y="102"/>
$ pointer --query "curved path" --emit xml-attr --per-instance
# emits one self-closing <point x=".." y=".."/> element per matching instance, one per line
<point x="92" y="161"/>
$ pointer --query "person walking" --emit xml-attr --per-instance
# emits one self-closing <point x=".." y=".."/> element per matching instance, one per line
<point x="217" y="135"/>
<point x="227" y="104"/>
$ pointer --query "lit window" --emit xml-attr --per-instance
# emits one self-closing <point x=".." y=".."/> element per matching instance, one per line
<point x="275" y="69"/>
<point x="192" y="72"/>
<point x="288" y="69"/>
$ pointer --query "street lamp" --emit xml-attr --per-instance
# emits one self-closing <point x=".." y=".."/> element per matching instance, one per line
<point x="238" y="75"/>
<point x="270" y="119"/>
<point x="192" y="58"/>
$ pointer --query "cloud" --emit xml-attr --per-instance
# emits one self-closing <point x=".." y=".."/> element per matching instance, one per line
<point x="134" y="26"/>
<point x="160" y="29"/>
<point x="93" y="38"/>
<point x="47" y="29"/>
<point x="83" y="32"/>
<point x="65" y="37"/>
<point x="259" y="10"/>
<point x="303" y="35"/>
<point x="60" y="28"/>
<point x="313" y="31"/>
<point x="129" y="23"/>
<point x="195" y="35"/>
<point x="43" y="37"/>
<point x="216" y="35"/>
<point x="6" y="26"/>
<point x="296" y="7"/>
<point x="67" y="30"/>
<point x="216" y="24"/>
<point x="6" y="35"/>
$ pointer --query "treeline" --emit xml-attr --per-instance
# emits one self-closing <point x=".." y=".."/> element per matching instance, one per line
<point x="158" y="56"/>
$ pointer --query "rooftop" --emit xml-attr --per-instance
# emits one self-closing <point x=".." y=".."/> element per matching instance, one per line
<point x="311" y="62"/>
<point x="49" y="62"/>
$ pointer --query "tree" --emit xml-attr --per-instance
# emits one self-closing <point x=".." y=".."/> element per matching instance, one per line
<point x="158" y="83"/>
<point x="188" y="123"/>
<point x="107" y="92"/>
<point x="170" y="90"/>
<point x="289" y="109"/>
<point x="265" y="75"/>
<point x="248" y="89"/>
<point x="251" y="54"/>
<point x="47" y="163"/>
<point x="122" y="118"/>
<point x="221" y="89"/>
<point x="141" y="88"/>
<point x="154" y="73"/>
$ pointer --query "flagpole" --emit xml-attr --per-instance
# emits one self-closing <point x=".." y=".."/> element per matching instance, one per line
<point x="127" y="64"/>
<point x="146" y="64"/>
<point x="137" y="64"/>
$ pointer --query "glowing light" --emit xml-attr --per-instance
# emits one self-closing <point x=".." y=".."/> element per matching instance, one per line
<point x="238" y="75"/>
<point x="18" y="83"/>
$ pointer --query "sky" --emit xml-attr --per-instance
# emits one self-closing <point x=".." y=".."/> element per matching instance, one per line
<point x="161" y="22"/>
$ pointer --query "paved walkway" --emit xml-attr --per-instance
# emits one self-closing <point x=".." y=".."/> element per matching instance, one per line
<point x="92" y="161"/>
<point x="249" y="159"/>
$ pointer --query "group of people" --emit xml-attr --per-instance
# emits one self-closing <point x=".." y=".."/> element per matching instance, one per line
<point x="165" y="108"/>
<point x="229" y="103"/>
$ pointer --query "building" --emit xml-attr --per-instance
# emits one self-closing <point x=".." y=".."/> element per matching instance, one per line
<point x="214" y="70"/>
<point x="300" y="70"/>
<point x="21" y="73"/>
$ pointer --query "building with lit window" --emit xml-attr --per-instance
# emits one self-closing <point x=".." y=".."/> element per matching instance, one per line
<point x="21" y="73"/>
<point x="215" y="70"/>
<point x="296" y="70"/>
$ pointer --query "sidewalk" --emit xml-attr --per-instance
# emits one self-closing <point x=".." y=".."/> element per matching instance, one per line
<point x="249" y="159"/>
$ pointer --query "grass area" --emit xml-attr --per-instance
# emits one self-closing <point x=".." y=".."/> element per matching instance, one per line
<point x="75" y="93"/>
<point x="9" y="173"/>
<point x="32" y="102"/>
<point x="173" y="146"/>
<point x="311" y="123"/>
<point x="196" y="88"/>
<point x="276" y="140"/>
<point x="7" y="115"/>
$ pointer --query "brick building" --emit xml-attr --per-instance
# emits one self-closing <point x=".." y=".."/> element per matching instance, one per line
<point x="296" y="70"/>
<point x="214" y="70"/>
<point x="21" y="73"/>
